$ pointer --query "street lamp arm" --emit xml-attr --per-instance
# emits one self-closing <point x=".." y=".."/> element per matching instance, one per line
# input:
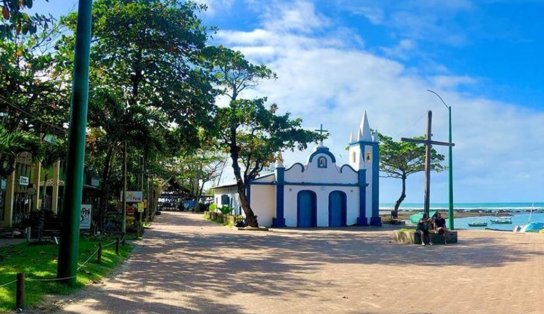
<point x="442" y="100"/>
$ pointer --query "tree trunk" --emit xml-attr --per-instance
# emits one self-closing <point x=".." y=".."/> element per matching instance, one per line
<point x="251" y="219"/>
<point x="104" y="187"/>
<point x="401" y="198"/>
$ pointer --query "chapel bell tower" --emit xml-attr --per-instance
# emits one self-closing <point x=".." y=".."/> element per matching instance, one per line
<point x="363" y="147"/>
<point x="364" y="156"/>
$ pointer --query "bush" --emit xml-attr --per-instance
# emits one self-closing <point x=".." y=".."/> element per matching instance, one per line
<point x="212" y="207"/>
<point x="226" y="209"/>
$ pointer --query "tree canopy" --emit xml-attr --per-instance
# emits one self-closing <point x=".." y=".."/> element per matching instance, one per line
<point x="248" y="130"/>
<point x="401" y="159"/>
<point x="153" y="83"/>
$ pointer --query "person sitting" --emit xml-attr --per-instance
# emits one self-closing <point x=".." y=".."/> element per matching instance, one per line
<point x="440" y="226"/>
<point x="423" y="229"/>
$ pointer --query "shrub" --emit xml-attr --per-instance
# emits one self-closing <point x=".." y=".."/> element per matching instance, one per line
<point x="213" y="207"/>
<point x="226" y="209"/>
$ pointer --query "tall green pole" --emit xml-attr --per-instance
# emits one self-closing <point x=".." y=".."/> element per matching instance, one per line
<point x="450" y="169"/>
<point x="450" y="164"/>
<point x="69" y="240"/>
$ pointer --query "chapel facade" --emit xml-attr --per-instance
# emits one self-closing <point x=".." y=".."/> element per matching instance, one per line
<point x="320" y="192"/>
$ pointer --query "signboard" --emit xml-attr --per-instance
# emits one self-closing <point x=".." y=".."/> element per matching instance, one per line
<point x="130" y="214"/>
<point x="96" y="182"/>
<point x="85" y="220"/>
<point x="23" y="180"/>
<point x="134" y="196"/>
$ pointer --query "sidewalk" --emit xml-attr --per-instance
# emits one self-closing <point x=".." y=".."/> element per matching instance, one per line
<point x="6" y="242"/>
<point x="188" y="265"/>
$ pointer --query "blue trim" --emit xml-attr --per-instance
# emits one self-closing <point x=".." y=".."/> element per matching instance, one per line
<point x="361" y="220"/>
<point x="350" y="167"/>
<point x="363" y="143"/>
<point x="262" y="177"/>
<point x="376" y="220"/>
<point x="343" y="208"/>
<point x="296" y="163"/>
<point x="263" y="183"/>
<point x="321" y="184"/>
<point x="306" y="183"/>
<point x="322" y="150"/>
<point x="279" y="220"/>
<point x="313" y="222"/>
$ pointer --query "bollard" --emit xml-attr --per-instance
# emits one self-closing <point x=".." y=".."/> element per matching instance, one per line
<point x="99" y="254"/>
<point x="117" y="246"/>
<point x="20" y="295"/>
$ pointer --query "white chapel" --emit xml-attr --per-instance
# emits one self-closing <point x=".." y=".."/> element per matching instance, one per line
<point x="320" y="192"/>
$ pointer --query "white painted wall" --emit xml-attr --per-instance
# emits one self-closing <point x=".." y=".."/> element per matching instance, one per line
<point x="263" y="203"/>
<point x="311" y="173"/>
<point x="290" y="205"/>
<point x="232" y="192"/>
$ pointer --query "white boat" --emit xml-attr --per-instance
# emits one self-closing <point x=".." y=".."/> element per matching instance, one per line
<point x="477" y="223"/>
<point x="501" y="220"/>
<point x="530" y="227"/>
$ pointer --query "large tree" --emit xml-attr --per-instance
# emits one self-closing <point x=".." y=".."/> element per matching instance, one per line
<point x="15" y="21"/>
<point x="251" y="132"/>
<point x="33" y="97"/>
<point x="400" y="159"/>
<point x="148" y="86"/>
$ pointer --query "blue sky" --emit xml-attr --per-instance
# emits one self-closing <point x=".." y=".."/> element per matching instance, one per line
<point x="337" y="58"/>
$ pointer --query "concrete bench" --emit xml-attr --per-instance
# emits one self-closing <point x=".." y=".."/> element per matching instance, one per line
<point x="410" y="236"/>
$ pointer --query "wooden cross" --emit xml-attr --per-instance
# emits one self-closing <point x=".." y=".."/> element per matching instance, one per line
<point x="428" y="146"/>
<point x="321" y="131"/>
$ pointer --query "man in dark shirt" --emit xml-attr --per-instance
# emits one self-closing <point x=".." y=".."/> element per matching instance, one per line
<point x="423" y="229"/>
<point x="440" y="226"/>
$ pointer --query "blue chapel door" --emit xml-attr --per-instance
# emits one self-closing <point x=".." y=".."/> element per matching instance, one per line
<point x="307" y="209"/>
<point x="337" y="209"/>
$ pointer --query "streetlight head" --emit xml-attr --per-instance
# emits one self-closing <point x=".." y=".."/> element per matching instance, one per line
<point x="442" y="100"/>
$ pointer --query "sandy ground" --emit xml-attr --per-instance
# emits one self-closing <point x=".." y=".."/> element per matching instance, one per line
<point x="188" y="265"/>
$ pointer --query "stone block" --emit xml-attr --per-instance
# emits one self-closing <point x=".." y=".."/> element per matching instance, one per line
<point x="412" y="237"/>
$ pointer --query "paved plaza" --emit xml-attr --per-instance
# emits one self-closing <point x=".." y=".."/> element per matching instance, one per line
<point x="188" y="265"/>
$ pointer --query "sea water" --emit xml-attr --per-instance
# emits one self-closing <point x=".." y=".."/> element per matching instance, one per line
<point x="518" y="219"/>
<point x="493" y="207"/>
<point x="521" y="213"/>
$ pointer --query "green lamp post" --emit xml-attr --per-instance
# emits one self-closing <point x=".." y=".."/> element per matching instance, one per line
<point x="69" y="238"/>
<point x="450" y="164"/>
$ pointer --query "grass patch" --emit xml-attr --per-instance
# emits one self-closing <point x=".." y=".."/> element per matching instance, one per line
<point x="407" y="229"/>
<point x="39" y="261"/>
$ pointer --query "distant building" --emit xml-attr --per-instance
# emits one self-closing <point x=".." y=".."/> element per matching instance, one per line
<point x="319" y="193"/>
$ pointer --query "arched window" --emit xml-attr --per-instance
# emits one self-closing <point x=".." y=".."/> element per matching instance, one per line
<point x="322" y="162"/>
<point x="225" y="200"/>
<point x="354" y="156"/>
<point x="368" y="156"/>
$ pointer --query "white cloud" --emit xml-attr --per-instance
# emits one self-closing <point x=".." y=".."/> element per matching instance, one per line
<point x="298" y="16"/>
<point x="324" y="79"/>
<point x="450" y="81"/>
<point x="423" y="20"/>
<point x="402" y="50"/>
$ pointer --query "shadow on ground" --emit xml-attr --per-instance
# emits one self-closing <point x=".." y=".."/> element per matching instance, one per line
<point x="196" y="266"/>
